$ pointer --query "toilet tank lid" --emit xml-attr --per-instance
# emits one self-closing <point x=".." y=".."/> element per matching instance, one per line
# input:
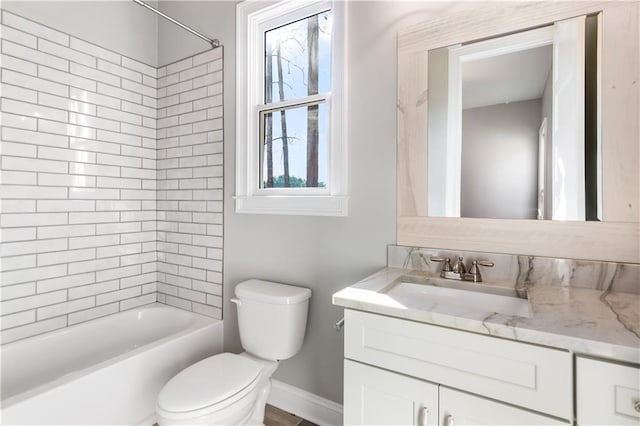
<point x="272" y="293"/>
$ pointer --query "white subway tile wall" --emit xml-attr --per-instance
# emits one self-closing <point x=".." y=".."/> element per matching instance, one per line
<point x="189" y="195"/>
<point x="111" y="189"/>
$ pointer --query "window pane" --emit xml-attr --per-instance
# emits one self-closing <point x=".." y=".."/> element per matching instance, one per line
<point x="298" y="59"/>
<point x="294" y="147"/>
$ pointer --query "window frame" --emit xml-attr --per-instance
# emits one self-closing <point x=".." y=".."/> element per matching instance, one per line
<point x="254" y="18"/>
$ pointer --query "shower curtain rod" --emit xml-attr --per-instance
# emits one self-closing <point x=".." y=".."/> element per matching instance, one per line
<point x="213" y="42"/>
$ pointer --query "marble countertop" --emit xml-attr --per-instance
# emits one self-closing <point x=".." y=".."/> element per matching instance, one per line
<point x="585" y="321"/>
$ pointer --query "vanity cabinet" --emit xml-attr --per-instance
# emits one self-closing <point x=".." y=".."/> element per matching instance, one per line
<point x="472" y="375"/>
<point x="607" y="393"/>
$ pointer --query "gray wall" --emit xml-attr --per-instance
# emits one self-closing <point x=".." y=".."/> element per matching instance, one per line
<point x="121" y="26"/>
<point x="324" y="254"/>
<point x="214" y="19"/>
<point x="500" y="160"/>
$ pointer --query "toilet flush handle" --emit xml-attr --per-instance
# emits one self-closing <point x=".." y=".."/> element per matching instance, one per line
<point x="236" y="301"/>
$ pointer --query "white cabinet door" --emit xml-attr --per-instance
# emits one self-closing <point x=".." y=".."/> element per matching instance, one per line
<point x="378" y="397"/>
<point x="607" y="393"/>
<point x="459" y="408"/>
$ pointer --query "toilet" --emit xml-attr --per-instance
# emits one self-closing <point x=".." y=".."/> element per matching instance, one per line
<point x="232" y="389"/>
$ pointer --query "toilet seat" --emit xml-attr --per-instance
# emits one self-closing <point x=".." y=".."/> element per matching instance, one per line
<point x="210" y="385"/>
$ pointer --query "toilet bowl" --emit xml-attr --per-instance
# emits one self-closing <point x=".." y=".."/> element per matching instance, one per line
<point x="220" y="390"/>
<point x="232" y="389"/>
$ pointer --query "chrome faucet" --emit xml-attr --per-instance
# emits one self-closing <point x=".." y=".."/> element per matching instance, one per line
<point x="458" y="270"/>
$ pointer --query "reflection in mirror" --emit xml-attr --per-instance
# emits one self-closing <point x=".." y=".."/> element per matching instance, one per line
<point x="506" y="126"/>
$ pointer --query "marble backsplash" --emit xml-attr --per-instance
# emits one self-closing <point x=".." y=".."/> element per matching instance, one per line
<point x="523" y="271"/>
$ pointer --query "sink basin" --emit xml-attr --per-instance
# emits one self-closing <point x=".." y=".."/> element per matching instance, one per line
<point x="458" y="298"/>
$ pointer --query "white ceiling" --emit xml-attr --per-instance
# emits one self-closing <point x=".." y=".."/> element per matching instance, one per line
<point x="512" y="77"/>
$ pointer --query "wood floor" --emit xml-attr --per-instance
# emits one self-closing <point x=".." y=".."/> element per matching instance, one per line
<point x="276" y="417"/>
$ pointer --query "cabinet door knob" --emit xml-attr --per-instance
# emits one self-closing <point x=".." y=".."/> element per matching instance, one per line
<point x="636" y="406"/>
<point x="449" y="420"/>
<point x="424" y="416"/>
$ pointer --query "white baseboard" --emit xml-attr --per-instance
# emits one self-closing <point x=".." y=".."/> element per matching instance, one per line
<point x="305" y="404"/>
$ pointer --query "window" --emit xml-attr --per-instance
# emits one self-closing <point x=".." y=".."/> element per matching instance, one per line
<point x="290" y="151"/>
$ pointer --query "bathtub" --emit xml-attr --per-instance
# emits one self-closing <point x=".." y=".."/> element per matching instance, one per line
<point x="105" y="371"/>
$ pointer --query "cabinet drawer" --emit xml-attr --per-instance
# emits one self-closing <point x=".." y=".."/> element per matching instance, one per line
<point x="530" y="376"/>
<point x="606" y="393"/>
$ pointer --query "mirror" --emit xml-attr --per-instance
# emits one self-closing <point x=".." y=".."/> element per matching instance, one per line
<point x="612" y="159"/>
<point x="512" y="125"/>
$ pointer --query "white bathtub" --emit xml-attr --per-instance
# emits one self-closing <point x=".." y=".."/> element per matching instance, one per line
<point x="105" y="371"/>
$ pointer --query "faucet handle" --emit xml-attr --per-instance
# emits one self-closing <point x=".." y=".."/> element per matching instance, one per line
<point x="447" y="262"/>
<point x="474" y="273"/>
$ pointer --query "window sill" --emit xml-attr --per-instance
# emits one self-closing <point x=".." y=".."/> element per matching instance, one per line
<point x="301" y="205"/>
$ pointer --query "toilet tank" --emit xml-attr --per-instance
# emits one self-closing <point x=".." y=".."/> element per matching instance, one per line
<point x="272" y="318"/>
